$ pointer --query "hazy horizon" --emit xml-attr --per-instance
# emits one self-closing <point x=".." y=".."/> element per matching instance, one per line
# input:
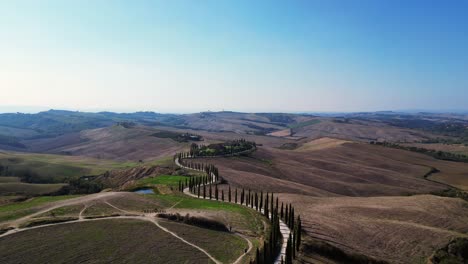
<point x="262" y="56"/>
<point x="38" y="109"/>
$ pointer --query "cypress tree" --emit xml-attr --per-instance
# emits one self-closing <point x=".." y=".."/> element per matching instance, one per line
<point x="198" y="190"/>
<point x="257" y="256"/>
<point x="204" y="191"/>
<point x="216" y="192"/>
<point x="298" y="235"/>
<point x="266" y="206"/>
<point x="293" y="246"/>
<point x="210" y="191"/>
<point x="235" y="196"/>
<point x="291" y="219"/>
<point x="261" y="200"/>
<point x="288" y="251"/>
<point x="286" y="215"/>
<point x="265" y="253"/>
<point x="256" y="201"/>
<point x="281" y="212"/>
<point x="229" y="193"/>
<point x="272" y="205"/>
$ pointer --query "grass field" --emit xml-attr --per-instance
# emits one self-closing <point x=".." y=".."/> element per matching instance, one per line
<point x="65" y="211"/>
<point x="132" y="242"/>
<point x="16" y="210"/>
<point x="49" y="168"/>
<point x="9" y="179"/>
<point x="170" y="180"/>
<point x="101" y="210"/>
<point x="29" y="189"/>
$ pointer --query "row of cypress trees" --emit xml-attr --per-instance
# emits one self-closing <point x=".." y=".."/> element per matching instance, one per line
<point x="264" y="203"/>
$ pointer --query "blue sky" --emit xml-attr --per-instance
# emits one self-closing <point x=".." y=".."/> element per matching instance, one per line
<point x="183" y="56"/>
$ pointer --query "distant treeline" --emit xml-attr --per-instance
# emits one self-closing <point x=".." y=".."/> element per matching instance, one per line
<point x="222" y="149"/>
<point x="184" y="137"/>
<point x="463" y="141"/>
<point x="454" y="193"/>
<point x="443" y="155"/>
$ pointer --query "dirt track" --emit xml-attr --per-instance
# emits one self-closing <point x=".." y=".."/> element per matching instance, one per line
<point x="144" y="217"/>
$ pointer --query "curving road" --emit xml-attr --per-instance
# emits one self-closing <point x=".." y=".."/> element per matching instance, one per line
<point x="284" y="229"/>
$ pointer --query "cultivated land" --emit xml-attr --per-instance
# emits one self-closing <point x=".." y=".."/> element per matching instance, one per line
<point x="357" y="197"/>
<point x="115" y="142"/>
<point x="351" y="169"/>
<point x="102" y="241"/>
<point x="55" y="168"/>
<point x="396" y="229"/>
<point x="55" y="217"/>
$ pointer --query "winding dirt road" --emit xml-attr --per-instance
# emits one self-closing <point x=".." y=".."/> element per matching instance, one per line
<point x="284" y="229"/>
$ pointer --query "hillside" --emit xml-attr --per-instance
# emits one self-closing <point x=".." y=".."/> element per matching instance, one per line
<point x="114" y="142"/>
<point x="395" y="229"/>
<point x="352" y="169"/>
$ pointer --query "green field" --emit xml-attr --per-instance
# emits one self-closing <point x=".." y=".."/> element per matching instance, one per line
<point x="67" y="211"/>
<point x="46" y="168"/>
<point x="16" y="210"/>
<point x="169" y="180"/>
<point x="101" y="210"/>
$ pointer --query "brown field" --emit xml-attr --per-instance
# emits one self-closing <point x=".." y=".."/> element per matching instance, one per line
<point x="281" y="133"/>
<point x="351" y="169"/>
<point x="321" y="143"/>
<point x="115" y="142"/>
<point x="360" y="131"/>
<point x="103" y="241"/>
<point x="396" y="229"/>
<point x="226" y="248"/>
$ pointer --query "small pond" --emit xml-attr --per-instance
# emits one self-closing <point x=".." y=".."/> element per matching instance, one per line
<point x="145" y="191"/>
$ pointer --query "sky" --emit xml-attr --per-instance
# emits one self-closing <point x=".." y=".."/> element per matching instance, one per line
<point x="239" y="55"/>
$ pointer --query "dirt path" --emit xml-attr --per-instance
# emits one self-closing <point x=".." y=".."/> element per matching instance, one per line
<point x="80" y="216"/>
<point x="238" y="260"/>
<point x="145" y="217"/>
<point x="73" y="201"/>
